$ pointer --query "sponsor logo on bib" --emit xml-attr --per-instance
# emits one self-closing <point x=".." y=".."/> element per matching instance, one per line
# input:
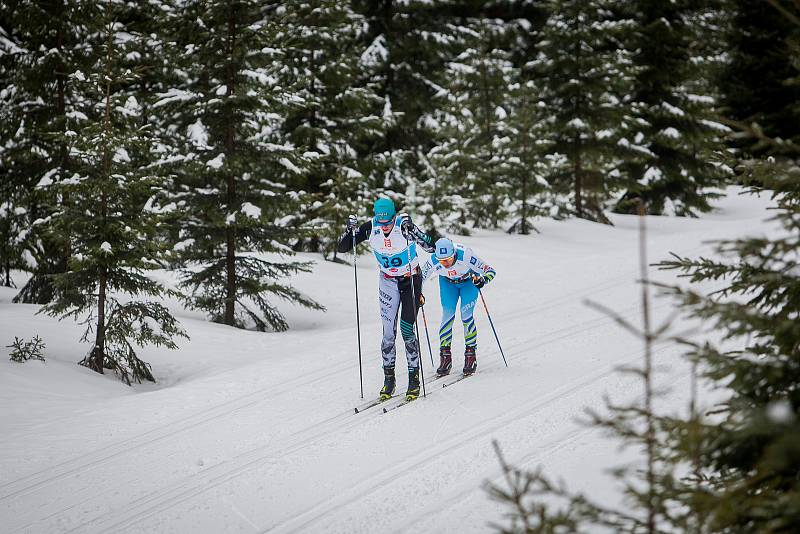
<point x="387" y="243"/>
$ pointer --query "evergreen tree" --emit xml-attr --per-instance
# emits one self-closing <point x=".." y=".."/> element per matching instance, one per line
<point x="451" y="168"/>
<point x="339" y="119"/>
<point x="13" y="232"/>
<point x="585" y="79"/>
<point x="410" y="42"/>
<point x="750" y="451"/>
<point x="658" y="498"/>
<point x="530" y="193"/>
<point x="756" y="83"/>
<point x="470" y="166"/>
<point x="671" y="148"/>
<point x="227" y="117"/>
<point x="112" y="234"/>
<point x="41" y="43"/>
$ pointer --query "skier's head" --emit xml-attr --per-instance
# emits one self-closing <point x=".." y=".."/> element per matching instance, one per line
<point x="384" y="212"/>
<point x="445" y="252"/>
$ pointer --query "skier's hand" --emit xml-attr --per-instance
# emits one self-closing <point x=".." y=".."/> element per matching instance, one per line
<point x="421" y="300"/>
<point x="478" y="281"/>
<point x="407" y="228"/>
<point x="352" y="223"/>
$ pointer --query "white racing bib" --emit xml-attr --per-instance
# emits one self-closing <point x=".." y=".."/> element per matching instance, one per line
<point x="392" y="251"/>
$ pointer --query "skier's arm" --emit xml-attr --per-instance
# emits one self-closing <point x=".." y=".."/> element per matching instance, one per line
<point x="423" y="239"/>
<point x="482" y="272"/>
<point x="429" y="268"/>
<point x="346" y="241"/>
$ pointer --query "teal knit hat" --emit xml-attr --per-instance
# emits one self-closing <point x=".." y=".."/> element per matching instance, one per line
<point x="384" y="210"/>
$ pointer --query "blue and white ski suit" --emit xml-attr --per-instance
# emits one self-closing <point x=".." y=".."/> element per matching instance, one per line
<point x="456" y="282"/>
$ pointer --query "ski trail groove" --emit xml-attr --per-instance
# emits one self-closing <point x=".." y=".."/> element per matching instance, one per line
<point x="512" y="356"/>
<point x="411" y="466"/>
<point x="521" y="462"/>
<point x="204" y="481"/>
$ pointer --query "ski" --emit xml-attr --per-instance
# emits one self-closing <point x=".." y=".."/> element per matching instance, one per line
<point x="370" y="404"/>
<point x="403" y="402"/>
<point x="375" y="402"/>
<point x="456" y="380"/>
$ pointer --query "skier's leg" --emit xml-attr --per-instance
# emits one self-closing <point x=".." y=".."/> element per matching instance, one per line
<point x="448" y="294"/>
<point x="469" y="297"/>
<point x="408" y="311"/>
<point x="389" y="298"/>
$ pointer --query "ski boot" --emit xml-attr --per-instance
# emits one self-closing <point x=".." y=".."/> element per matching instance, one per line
<point x="445" y="361"/>
<point x="413" y="384"/>
<point x="470" y="361"/>
<point x="388" y="383"/>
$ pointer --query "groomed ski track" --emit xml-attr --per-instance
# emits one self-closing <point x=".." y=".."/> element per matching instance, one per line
<point x="272" y="445"/>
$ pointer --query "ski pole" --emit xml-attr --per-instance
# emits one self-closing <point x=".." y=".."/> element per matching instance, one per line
<point x="485" y="307"/>
<point x="416" y="328"/>
<point x="358" y="316"/>
<point x="427" y="336"/>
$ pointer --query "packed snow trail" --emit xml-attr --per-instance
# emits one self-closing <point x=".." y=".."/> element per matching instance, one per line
<point x="251" y="432"/>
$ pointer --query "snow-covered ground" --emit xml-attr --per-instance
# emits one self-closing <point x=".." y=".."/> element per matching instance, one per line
<point x="254" y="432"/>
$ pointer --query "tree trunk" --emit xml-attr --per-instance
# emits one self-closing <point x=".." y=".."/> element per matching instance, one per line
<point x="230" y="139"/>
<point x="647" y="376"/>
<point x="524" y="221"/>
<point x="578" y="176"/>
<point x="99" y="351"/>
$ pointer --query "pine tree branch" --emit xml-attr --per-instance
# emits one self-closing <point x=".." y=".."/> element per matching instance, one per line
<point x="785" y="12"/>
<point x="624" y="323"/>
<point x="754" y="131"/>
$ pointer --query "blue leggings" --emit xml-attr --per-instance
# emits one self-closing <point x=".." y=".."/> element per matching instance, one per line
<point x="450" y="293"/>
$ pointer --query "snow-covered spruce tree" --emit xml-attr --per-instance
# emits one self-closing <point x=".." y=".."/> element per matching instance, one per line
<point x="409" y="43"/>
<point x="337" y="120"/>
<point x="111" y="233"/>
<point x="14" y="231"/>
<point x="40" y="44"/>
<point x="531" y="195"/>
<point x="657" y="498"/>
<point x="227" y="117"/>
<point x="585" y="77"/>
<point x="749" y="453"/>
<point x="473" y="158"/>
<point x="756" y="81"/>
<point x="671" y="149"/>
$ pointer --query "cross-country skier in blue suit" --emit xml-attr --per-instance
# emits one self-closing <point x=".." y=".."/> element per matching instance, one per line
<point x="461" y="275"/>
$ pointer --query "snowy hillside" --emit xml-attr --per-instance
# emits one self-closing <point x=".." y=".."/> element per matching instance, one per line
<point x="253" y="432"/>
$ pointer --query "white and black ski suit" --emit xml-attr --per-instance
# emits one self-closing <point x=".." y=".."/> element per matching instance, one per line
<point x="393" y="252"/>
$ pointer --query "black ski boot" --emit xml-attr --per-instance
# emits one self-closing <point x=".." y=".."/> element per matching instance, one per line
<point x="413" y="384"/>
<point x="470" y="361"/>
<point x="445" y="361"/>
<point x="388" y="383"/>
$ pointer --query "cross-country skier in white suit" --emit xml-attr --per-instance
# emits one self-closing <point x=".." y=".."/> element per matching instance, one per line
<point x="393" y="238"/>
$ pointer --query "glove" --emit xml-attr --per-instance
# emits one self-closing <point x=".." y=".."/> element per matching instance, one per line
<point x="352" y="223"/>
<point x="421" y="300"/>
<point x="479" y="281"/>
<point x="407" y="228"/>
